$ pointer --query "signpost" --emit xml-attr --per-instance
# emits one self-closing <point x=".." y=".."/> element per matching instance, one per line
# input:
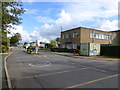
<point x="36" y="46"/>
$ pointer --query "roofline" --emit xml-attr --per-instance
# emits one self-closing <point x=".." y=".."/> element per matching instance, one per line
<point x="86" y="28"/>
<point x="115" y="31"/>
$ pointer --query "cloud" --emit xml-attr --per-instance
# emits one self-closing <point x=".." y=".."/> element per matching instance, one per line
<point x="31" y="11"/>
<point x="83" y="11"/>
<point x="106" y="25"/>
<point x="27" y="37"/>
<point x="19" y="29"/>
<point x="73" y="15"/>
<point x="44" y="19"/>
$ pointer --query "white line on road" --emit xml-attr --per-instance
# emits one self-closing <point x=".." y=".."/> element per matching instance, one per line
<point x="31" y="65"/>
<point x="48" y="64"/>
<point x="99" y="70"/>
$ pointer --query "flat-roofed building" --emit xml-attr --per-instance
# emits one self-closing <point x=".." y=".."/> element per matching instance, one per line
<point x="116" y="37"/>
<point x="72" y="38"/>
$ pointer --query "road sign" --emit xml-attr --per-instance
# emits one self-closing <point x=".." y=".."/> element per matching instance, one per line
<point x="36" y="45"/>
<point x="91" y="51"/>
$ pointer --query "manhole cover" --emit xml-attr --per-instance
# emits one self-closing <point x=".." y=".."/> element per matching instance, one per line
<point x="40" y="64"/>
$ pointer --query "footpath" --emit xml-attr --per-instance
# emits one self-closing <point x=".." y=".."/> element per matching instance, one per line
<point x="3" y="78"/>
<point x="84" y="57"/>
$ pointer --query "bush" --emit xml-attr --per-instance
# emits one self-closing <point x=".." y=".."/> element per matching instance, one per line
<point x="4" y="48"/>
<point x="62" y="50"/>
<point x="110" y="50"/>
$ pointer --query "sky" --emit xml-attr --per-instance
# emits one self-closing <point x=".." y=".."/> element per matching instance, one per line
<point x="44" y="21"/>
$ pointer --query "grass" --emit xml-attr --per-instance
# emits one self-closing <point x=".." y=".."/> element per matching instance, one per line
<point x="63" y="53"/>
<point x="109" y="57"/>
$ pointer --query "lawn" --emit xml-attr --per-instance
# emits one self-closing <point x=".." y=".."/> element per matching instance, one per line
<point x="63" y="53"/>
<point x="109" y="57"/>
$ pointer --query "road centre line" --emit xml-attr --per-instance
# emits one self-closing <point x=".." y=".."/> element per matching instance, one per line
<point x="55" y="73"/>
<point x="96" y="80"/>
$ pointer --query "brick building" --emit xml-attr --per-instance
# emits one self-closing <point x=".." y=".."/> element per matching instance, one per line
<point x="71" y="39"/>
<point x="116" y="37"/>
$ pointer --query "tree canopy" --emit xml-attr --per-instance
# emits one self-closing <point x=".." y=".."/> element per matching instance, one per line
<point x="11" y="12"/>
<point x="16" y="38"/>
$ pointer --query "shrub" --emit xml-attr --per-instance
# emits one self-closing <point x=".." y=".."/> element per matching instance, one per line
<point x="4" y="48"/>
<point x="62" y="50"/>
<point x="110" y="50"/>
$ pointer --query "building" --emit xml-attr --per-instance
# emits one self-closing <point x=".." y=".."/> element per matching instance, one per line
<point x="116" y="37"/>
<point x="72" y="39"/>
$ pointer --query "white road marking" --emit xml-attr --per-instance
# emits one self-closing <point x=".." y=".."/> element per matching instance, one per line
<point x="31" y="65"/>
<point x="99" y="70"/>
<point x="48" y="64"/>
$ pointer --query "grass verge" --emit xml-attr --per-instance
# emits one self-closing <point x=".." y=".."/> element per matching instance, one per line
<point x="63" y="53"/>
<point x="107" y="57"/>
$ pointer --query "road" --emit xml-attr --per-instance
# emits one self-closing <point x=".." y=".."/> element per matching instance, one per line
<point x="50" y="70"/>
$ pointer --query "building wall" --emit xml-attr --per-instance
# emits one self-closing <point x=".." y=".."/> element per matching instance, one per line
<point x="85" y="36"/>
<point x="72" y="40"/>
<point x="116" y="37"/>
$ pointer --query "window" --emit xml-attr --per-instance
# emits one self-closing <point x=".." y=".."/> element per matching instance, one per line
<point x="70" y="35"/>
<point x="110" y="38"/>
<point x="66" y="35"/>
<point x="102" y="36"/>
<point x="91" y="35"/>
<point x="97" y="36"/>
<point x="73" y="35"/>
<point x="63" y="36"/>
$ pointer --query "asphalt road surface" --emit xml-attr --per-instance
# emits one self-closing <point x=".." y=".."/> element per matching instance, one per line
<point x="50" y="70"/>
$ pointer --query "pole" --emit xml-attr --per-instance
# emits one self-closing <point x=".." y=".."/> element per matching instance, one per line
<point x="36" y="47"/>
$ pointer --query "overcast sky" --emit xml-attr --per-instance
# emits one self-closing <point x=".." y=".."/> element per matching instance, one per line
<point x="43" y="20"/>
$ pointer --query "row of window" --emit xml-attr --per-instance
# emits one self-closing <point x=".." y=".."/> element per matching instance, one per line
<point x="92" y="35"/>
<point x="70" y="35"/>
<point x="100" y="36"/>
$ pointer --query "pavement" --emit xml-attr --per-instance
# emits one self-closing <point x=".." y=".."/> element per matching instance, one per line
<point x="87" y="57"/>
<point x="3" y="81"/>
<point x="0" y="72"/>
<point x="50" y="70"/>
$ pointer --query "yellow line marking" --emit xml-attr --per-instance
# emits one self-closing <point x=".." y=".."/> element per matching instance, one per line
<point x="74" y="86"/>
<point x="53" y="73"/>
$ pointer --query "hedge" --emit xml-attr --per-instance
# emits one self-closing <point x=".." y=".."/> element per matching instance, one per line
<point x="110" y="50"/>
<point x="3" y="48"/>
<point x="62" y="50"/>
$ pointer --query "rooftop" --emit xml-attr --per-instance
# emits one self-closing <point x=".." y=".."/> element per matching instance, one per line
<point x="88" y="28"/>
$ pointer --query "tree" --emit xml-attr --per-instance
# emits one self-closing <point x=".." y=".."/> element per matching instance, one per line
<point x="42" y="43"/>
<point x="16" y="38"/>
<point x="25" y="43"/>
<point x="58" y="39"/>
<point x="11" y="12"/>
<point x="53" y="43"/>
